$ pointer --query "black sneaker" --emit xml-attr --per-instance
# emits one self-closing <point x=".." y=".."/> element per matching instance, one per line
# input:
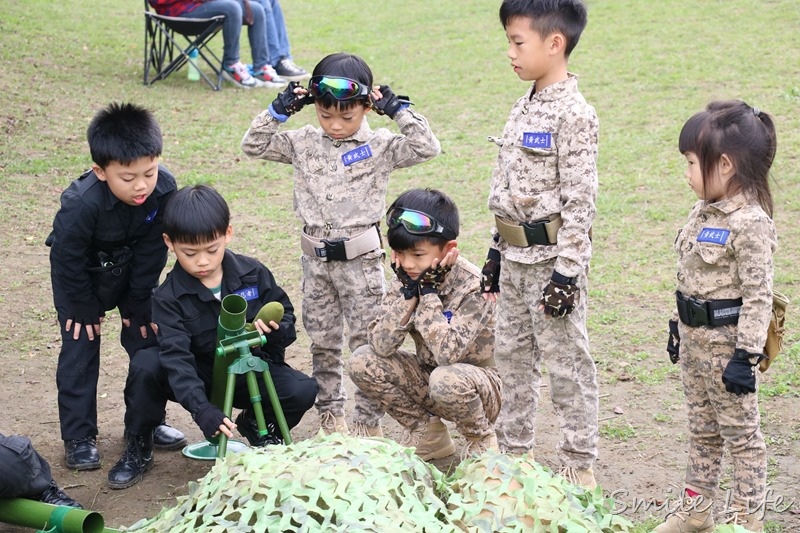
<point x="55" y="496"/>
<point x="82" y="454"/>
<point x="287" y="70"/>
<point x="248" y="428"/>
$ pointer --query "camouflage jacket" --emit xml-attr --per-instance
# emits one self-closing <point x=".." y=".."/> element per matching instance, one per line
<point x="547" y="165"/>
<point x="340" y="185"/>
<point x="455" y="326"/>
<point x="725" y="252"/>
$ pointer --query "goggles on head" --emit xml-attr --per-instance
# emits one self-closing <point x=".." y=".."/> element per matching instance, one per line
<point x="417" y="223"/>
<point x="341" y="89"/>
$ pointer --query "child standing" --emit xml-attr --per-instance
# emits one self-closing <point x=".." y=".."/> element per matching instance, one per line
<point x="186" y="308"/>
<point x="110" y="219"/>
<point x="341" y="174"/>
<point x="543" y="194"/>
<point x="724" y="304"/>
<point x="435" y="299"/>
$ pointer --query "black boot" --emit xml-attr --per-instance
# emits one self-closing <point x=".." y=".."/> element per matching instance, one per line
<point x="136" y="460"/>
<point x="55" y="496"/>
<point x="248" y="427"/>
<point x="82" y="454"/>
<point x="166" y="437"/>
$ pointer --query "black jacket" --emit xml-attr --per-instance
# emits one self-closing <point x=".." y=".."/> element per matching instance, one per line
<point x="187" y="314"/>
<point x="90" y="219"/>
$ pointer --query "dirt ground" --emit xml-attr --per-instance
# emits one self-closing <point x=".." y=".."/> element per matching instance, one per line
<point x="642" y="446"/>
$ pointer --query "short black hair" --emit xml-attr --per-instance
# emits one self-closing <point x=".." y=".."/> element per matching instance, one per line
<point x="196" y="214"/>
<point x="549" y="16"/>
<point x="432" y="202"/>
<point x="343" y="65"/>
<point x="123" y="133"/>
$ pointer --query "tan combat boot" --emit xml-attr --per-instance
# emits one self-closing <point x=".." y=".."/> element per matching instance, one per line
<point x="329" y="423"/>
<point x="362" y="430"/>
<point x="579" y="476"/>
<point x="739" y="516"/>
<point x="694" y="516"/>
<point x="431" y="440"/>
<point x="477" y="446"/>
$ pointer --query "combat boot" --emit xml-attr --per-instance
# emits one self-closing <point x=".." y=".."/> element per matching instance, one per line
<point x="55" y="496"/>
<point x="363" y="431"/>
<point x="693" y="516"/>
<point x="431" y="440"/>
<point x="737" y="515"/>
<point x="329" y="423"/>
<point x="579" y="476"/>
<point x="477" y="446"/>
<point x="136" y="460"/>
<point x="82" y="454"/>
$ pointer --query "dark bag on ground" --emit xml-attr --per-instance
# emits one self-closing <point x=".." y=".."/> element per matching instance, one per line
<point x="110" y="273"/>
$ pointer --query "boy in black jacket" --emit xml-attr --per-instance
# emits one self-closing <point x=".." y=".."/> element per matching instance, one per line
<point x="111" y="214"/>
<point x="186" y="308"/>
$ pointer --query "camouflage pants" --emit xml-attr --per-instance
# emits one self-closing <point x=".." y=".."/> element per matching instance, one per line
<point x="524" y="337"/>
<point x="718" y="418"/>
<point x="410" y="391"/>
<point x="335" y="292"/>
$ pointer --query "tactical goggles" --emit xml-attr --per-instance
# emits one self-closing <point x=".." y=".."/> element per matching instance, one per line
<point x="340" y="88"/>
<point x="417" y="223"/>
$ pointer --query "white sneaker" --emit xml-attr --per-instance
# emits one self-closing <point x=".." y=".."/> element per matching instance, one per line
<point x="239" y="75"/>
<point x="269" y="78"/>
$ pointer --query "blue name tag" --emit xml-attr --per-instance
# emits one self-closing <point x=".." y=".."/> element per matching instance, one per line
<point x="536" y="139"/>
<point x="448" y="315"/>
<point x="248" y="293"/>
<point x="358" y="154"/>
<point x="713" y="235"/>
<point x="151" y="216"/>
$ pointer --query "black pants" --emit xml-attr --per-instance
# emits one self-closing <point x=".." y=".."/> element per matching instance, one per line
<point x="23" y="472"/>
<point x="77" y="373"/>
<point x="147" y="391"/>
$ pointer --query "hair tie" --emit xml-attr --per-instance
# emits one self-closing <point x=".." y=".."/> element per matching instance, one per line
<point x="756" y="111"/>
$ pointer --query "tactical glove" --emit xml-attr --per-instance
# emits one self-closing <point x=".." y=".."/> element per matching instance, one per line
<point x="559" y="295"/>
<point x="410" y="287"/>
<point x="674" y="342"/>
<point x="431" y="278"/>
<point x="209" y="418"/>
<point x="391" y="103"/>
<point x="138" y="310"/>
<point x="490" y="273"/>
<point x="87" y="314"/>
<point x="739" y="375"/>
<point x="288" y="102"/>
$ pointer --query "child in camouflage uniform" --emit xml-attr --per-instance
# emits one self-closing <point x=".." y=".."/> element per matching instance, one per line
<point x="543" y="194"/>
<point x="435" y="299"/>
<point x="724" y="304"/>
<point x="341" y="174"/>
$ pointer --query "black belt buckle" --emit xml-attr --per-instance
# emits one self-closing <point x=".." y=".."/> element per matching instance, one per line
<point x="691" y="311"/>
<point x="535" y="232"/>
<point x="334" y="250"/>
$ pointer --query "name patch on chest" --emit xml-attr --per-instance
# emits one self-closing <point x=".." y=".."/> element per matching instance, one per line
<point x="357" y="154"/>
<point x="714" y="235"/>
<point x="152" y="216"/>
<point x="248" y="293"/>
<point x="537" y="139"/>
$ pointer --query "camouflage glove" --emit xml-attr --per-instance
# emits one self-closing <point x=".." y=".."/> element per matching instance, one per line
<point x="391" y="103"/>
<point x="209" y="418"/>
<point x="559" y="295"/>
<point x="674" y="342"/>
<point x="288" y="103"/>
<point x="410" y="287"/>
<point x="739" y="375"/>
<point x="490" y="273"/>
<point x="431" y="278"/>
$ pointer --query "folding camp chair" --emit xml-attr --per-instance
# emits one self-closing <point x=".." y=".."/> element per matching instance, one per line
<point x="163" y="55"/>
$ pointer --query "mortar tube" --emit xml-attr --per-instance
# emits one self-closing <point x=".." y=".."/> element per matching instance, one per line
<point x="30" y="513"/>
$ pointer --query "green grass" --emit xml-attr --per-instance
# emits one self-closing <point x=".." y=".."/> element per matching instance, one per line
<point x="645" y="66"/>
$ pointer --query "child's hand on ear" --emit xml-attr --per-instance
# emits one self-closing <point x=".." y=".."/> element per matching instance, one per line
<point x="385" y="102"/>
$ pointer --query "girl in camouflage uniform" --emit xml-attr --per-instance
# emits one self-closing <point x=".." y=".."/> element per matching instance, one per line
<point x="724" y="301"/>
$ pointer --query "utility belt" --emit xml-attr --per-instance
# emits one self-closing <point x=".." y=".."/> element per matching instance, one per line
<point x="342" y="248"/>
<point x="542" y="232"/>
<point x="714" y="313"/>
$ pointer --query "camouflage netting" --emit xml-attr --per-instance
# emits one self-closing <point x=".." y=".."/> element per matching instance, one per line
<point x="335" y="483"/>
<point x="330" y="483"/>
